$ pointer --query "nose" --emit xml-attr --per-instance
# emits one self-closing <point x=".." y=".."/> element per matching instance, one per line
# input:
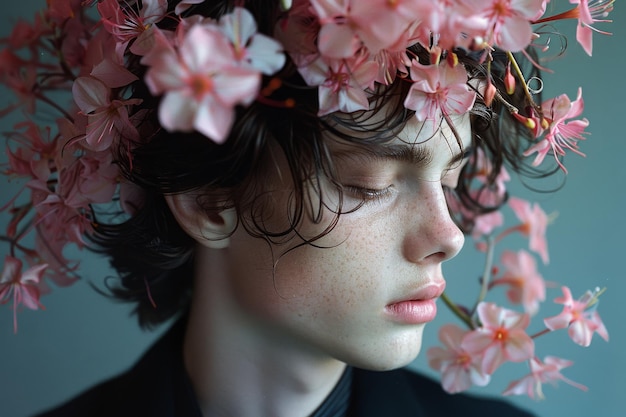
<point x="431" y="236"/>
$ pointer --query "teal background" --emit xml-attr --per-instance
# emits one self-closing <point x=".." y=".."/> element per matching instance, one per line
<point x="82" y="337"/>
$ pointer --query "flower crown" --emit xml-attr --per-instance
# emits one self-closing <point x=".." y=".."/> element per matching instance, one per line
<point x="202" y="69"/>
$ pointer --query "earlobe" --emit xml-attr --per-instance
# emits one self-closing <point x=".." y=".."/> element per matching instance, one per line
<point x="210" y="229"/>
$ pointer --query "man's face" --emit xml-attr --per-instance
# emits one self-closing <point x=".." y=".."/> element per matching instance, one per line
<point x="363" y="292"/>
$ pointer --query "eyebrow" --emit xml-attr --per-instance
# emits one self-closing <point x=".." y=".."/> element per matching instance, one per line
<point x="405" y="153"/>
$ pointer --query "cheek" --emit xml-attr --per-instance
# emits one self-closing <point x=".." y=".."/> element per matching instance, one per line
<point x="336" y="275"/>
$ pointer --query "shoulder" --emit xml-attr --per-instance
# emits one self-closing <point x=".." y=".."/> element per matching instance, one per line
<point x="408" y="393"/>
<point x="106" y="399"/>
<point x="157" y="385"/>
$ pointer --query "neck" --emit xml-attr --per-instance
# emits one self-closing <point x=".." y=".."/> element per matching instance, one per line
<point x="240" y="366"/>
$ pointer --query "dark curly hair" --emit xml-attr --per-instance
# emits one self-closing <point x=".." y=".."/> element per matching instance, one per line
<point x="154" y="256"/>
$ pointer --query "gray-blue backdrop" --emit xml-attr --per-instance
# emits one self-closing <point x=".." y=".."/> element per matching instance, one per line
<point x="82" y="337"/>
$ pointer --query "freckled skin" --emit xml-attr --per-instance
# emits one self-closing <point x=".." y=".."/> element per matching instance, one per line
<point x="333" y="299"/>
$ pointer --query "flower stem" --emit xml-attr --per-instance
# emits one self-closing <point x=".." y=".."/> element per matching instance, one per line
<point x="486" y="273"/>
<point x="540" y="333"/>
<point x="520" y="75"/>
<point x="457" y="311"/>
<point x="54" y="105"/>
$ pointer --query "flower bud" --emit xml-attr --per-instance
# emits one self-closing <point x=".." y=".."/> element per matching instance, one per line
<point x="509" y="81"/>
<point x="489" y="94"/>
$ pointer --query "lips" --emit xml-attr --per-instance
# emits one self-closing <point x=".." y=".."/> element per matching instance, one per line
<point x="418" y="307"/>
<point x="429" y="291"/>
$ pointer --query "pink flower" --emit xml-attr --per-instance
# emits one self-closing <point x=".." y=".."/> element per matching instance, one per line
<point x="201" y="82"/>
<point x="381" y="24"/>
<point x="252" y="49"/>
<point x="126" y="24"/>
<point x="298" y="31"/>
<point x="449" y="24"/>
<point x="459" y="369"/>
<point x="590" y="12"/>
<point x="25" y="34"/>
<point x="534" y="224"/>
<point x="21" y="288"/>
<point x="20" y="76"/>
<point x="337" y="37"/>
<point x="526" y="285"/>
<point x="484" y="224"/>
<point x="581" y="322"/>
<point x="438" y="89"/>
<point x="64" y="214"/>
<point x="345" y="26"/>
<point x="587" y="12"/>
<point x="562" y="133"/>
<point x="93" y="177"/>
<point x="62" y="10"/>
<point x="107" y="119"/>
<point x="60" y="222"/>
<point x="33" y="158"/>
<point x="501" y="337"/>
<point x="540" y="373"/>
<point x="61" y="270"/>
<point x="342" y="83"/>
<point x="484" y="171"/>
<point x="184" y="5"/>
<point x="509" y="20"/>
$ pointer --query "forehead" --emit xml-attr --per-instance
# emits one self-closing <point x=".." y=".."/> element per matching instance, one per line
<point x="414" y="142"/>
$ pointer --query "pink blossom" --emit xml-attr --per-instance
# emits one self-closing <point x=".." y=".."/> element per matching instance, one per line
<point x="76" y="30"/>
<point x="107" y="119"/>
<point x="581" y="321"/>
<point x="92" y="178"/>
<point x="438" y="89"/>
<point x="32" y="159"/>
<point x="587" y="12"/>
<point x="62" y="10"/>
<point x="20" y="77"/>
<point x="126" y="24"/>
<point x="346" y="26"/>
<point x="562" y="133"/>
<point x="590" y="12"/>
<point x="509" y="20"/>
<point x="104" y="60"/>
<point x="63" y="214"/>
<point x="252" y="49"/>
<point x="337" y="37"/>
<point x="459" y="369"/>
<point x="61" y="271"/>
<point x="298" y="31"/>
<point x="526" y="285"/>
<point x="501" y="337"/>
<point x="540" y="373"/>
<point x="483" y="172"/>
<point x="485" y="224"/>
<point x="449" y="24"/>
<point x="382" y="24"/>
<point x="534" y="223"/>
<point x="488" y="194"/>
<point x="25" y="34"/>
<point x="184" y="5"/>
<point x="391" y="63"/>
<point x="21" y="288"/>
<point x="201" y="83"/>
<point x="342" y="83"/>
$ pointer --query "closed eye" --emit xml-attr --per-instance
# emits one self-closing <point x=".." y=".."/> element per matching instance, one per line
<point x="367" y="194"/>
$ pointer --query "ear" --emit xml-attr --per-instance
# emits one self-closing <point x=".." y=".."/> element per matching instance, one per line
<point x="210" y="229"/>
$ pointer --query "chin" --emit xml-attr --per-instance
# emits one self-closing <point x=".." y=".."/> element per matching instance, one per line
<point x="388" y="355"/>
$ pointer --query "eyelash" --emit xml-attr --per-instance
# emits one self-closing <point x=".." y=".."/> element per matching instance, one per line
<point x="368" y="194"/>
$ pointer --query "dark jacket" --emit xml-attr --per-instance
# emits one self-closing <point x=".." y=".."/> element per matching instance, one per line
<point x="158" y="386"/>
